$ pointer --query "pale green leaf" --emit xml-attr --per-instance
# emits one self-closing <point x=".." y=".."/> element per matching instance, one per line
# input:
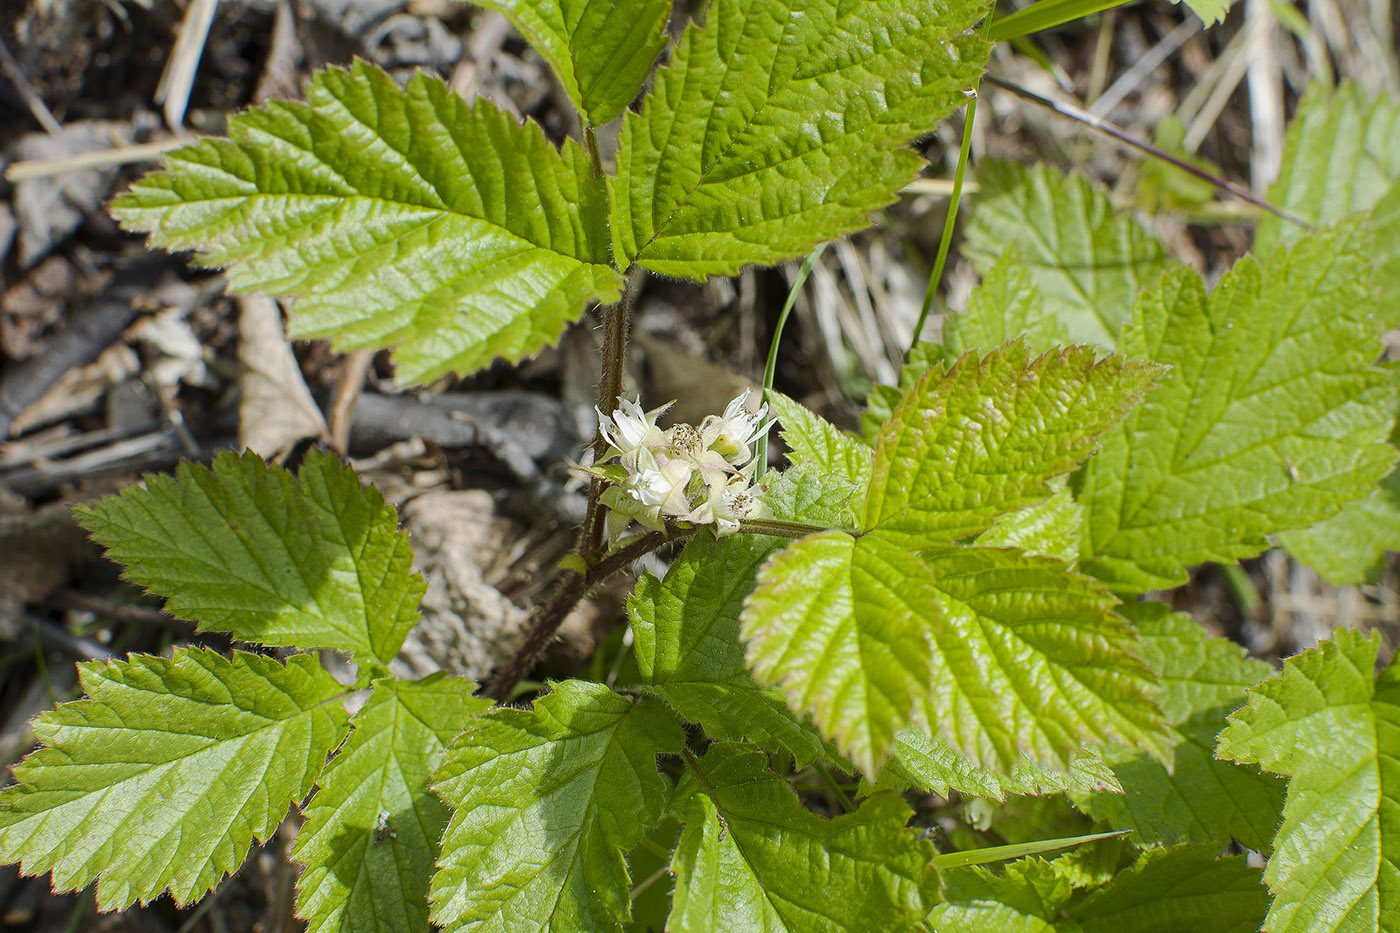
<point x="164" y="775"/>
<point x="985" y="437"/>
<point x="752" y="858"/>
<point x="1201" y="799"/>
<point x="1341" y="154"/>
<point x="686" y="630"/>
<point x="926" y="762"/>
<point x="1271" y="417"/>
<point x="810" y="437"/>
<point x="1329" y="725"/>
<point x="1087" y="261"/>
<point x="806" y="493"/>
<point x="778" y="124"/>
<point x="1166" y="891"/>
<point x="403" y="218"/>
<point x="314" y="560"/>
<point x="1049" y="528"/>
<point x="1350" y="546"/>
<point x="601" y="50"/>
<point x="371" y="832"/>
<point x="842" y="626"/>
<point x="545" y="801"/>
<point x="1010" y="656"/>
<point x="1004" y="306"/>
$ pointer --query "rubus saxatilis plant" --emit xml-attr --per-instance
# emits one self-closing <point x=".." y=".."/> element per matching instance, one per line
<point x="947" y="602"/>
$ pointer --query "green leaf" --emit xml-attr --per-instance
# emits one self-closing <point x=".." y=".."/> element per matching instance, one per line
<point x="1050" y="528"/>
<point x="926" y="762"/>
<point x="1017" y="850"/>
<point x="1272" y="416"/>
<point x="1341" y="154"/>
<point x="1166" y="891"/>
<point x="810" y="437"/>
<point x="686" y="630"/>
<point x="1350" y="546"/>
<point x="752" y="857"/>
<point x="806" y="493"/>
<point x="404" y="218"/>
<point x="1088" y="261"/>
<point x="842" y="626"/>
<point x="162" y="778"/>
<point x="312" y="561"/>
<point x="985" y="438"/>
<point x="545" y="801"/>
<point x="778" y="124"/>
<point x="371" y="832"/>
<point x="1201" y="799"/>
<point x="1329" y="725"/>
<point x="601" y="50"/>
<point x="1004" y="306"/>
<point x="1008" y="655"/>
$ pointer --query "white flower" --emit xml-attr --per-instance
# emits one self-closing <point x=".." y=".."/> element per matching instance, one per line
<point x="733" y="433"/>
<point x="726" y="506"/>
<point x="632" y="434"/>
<point x="665" y="486"/>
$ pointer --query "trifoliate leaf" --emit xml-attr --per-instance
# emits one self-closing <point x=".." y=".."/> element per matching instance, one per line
<point x="1333" y="728"/>
<point x="984" y="438"/>
<point x="545" y="801"/>
<point x="1006" y="305"/>
<point x="1049" y="528"/>
<point x="1201" y="799"/>
<point x="403" y="218"/>
<point x="1166" y="891"/>
<point x="810" y="437"/>
<point x="314" y="560"/>
<point x="842" y="626"/>
<point x="686" y="630"/>
<point x="1087" y="260"/>
<point x="1341" y="154"/>
<point x="1010" y="656"/>
<point x="926" y="762"/>
<point x="601" y="50"/>
<point x="807" y="493"/>
<point x="778" y="124"/>
<point x="371" y="832"/>
<point x="1350" y="546"/>
<point x="162" y="778"/>
<point x="752" y="858"/>
<point x="1031" y="662"/>
<point x="1272" y="416"/>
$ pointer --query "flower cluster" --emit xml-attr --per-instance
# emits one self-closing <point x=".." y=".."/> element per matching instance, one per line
<point x="702" y="474"/>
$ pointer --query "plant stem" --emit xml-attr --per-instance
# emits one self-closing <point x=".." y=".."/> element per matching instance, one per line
<point x="771" y="367"/>
<point x="782" y="529"/>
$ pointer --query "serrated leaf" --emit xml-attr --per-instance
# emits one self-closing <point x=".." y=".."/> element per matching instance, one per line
<point x="1166" y="891"/>
<point x="806" y="493"/>
<point x="1201" y="799"/>
<point x="1087" y="260"/>
<point x="313" y="561"/>
<point x="1271" y="418"/>
<point x="1333" y="728"/>
<point x="985" y="438"/>
<point x="926" y="762"/>
<point x="752" y="857"/>
<point x="1008" y="655"/>
<point x="601" y="50"/>
<point x="1005" y="305"/>
<point x="1049" y="528"/>
<point x="164" y="775"/>
<point x="686" y="630"/>
<point x="1341" y="154"/>
<point x="810" y="437"/>
<point x="371" y="832"/>
<point x="1350" y="546"/>
<point x="778" y="124"/>
<point x="403" y="218"/>
<point x="545" y="802"/>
